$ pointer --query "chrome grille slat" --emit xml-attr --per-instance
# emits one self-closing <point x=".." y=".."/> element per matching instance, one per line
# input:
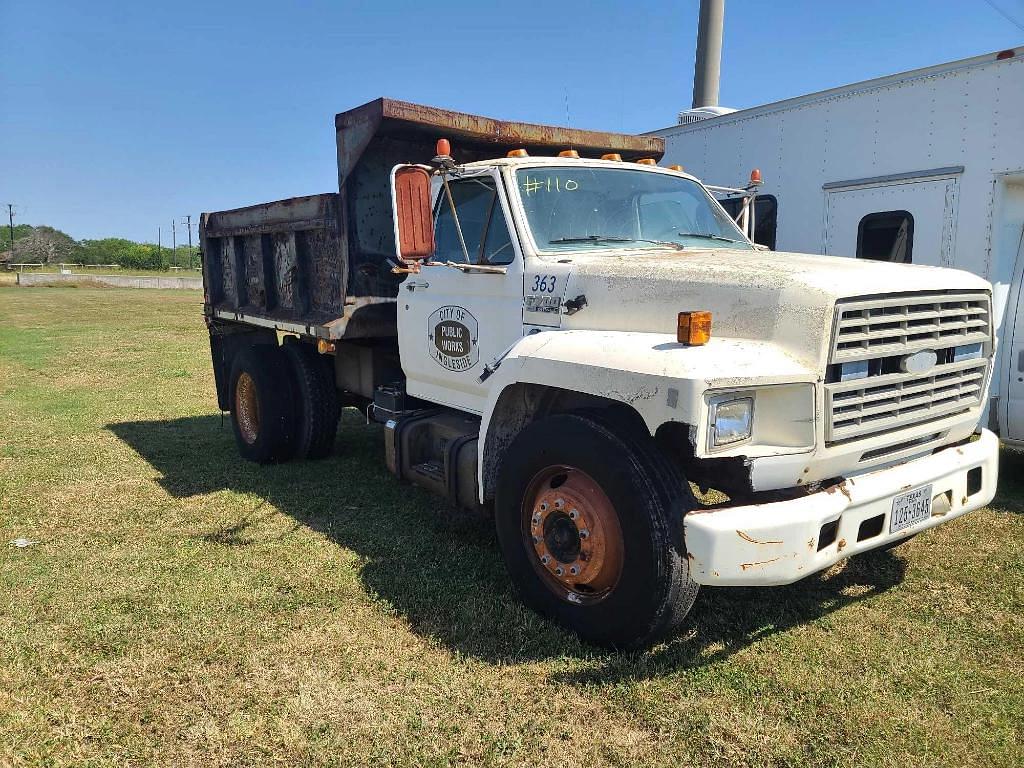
<point x="869" y="329"/>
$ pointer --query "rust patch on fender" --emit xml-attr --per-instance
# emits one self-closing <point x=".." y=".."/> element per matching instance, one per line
<point x="745" y="566"/>
<point x="752" y="540"/>
<point x="841" y="545"/>
<point x="841" y="488"/>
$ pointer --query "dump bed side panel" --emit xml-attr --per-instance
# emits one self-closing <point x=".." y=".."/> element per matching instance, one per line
<point x="280" y="264"/>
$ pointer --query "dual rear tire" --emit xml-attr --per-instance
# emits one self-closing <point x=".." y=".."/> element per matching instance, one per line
<point x="283" y="403"/>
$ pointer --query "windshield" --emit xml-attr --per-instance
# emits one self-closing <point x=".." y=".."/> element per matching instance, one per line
<point x="593" y="208"/>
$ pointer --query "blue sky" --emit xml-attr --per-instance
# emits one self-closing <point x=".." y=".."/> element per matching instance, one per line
<point x="117" y="117"/>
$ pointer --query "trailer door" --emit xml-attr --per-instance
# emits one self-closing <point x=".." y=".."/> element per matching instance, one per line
<point x="911" y="221"/>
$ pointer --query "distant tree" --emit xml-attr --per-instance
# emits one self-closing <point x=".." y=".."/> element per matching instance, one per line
<point x="20" y="231"/>
<point x="43" y="245"/>
<point x="46" y="245"/>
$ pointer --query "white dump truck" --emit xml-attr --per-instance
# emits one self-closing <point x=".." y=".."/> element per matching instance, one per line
<point x="562" y="335"/>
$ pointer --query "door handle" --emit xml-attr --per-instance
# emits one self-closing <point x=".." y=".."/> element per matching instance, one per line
<point x="1020" y="361"/>
<point x="414" y="284"/>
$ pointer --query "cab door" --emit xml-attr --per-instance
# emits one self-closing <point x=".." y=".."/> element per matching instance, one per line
<point x="453" y="321"/>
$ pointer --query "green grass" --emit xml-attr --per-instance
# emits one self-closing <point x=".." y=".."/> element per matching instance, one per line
<point x="53" y="268"/>
<point x="185" y="607"/>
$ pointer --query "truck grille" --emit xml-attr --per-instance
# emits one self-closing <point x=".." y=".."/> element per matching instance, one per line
<point x="878" y="333"/>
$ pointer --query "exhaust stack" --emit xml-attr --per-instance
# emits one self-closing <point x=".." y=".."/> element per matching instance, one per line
<point x="708" y="64"/>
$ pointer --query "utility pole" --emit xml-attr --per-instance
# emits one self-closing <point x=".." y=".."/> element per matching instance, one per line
<point x="159" y="249"/>
<point x="10" y="218"/>
<point x="188" y="223"/>
<point x="174" y="245"/>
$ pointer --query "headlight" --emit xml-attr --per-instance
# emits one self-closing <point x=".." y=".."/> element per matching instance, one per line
<point x="731" y="420"/>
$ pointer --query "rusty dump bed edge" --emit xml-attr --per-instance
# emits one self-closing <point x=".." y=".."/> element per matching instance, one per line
<point x="318" y="265"/>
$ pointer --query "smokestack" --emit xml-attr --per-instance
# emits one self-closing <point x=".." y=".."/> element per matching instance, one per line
<point x="708" y="64"/>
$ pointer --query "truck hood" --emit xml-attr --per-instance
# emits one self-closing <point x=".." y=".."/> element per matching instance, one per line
<point x="787" y="299"/>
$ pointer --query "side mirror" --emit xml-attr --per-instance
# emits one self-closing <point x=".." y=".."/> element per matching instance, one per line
<point x="414" y="219"/>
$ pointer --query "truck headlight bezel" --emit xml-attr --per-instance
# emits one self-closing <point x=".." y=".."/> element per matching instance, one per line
<point x="731" y="421"/>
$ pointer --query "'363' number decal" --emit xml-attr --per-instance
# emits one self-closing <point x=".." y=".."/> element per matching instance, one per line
<point x="544" y="283"/>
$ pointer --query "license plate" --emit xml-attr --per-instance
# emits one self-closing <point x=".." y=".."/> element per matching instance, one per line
<point x="910" y="508"/>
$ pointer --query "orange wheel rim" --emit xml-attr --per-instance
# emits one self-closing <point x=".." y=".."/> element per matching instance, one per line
<point x="572" y="534"/>
<point x="247" y="408"/>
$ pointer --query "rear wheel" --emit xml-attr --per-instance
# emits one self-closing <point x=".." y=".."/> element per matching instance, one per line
<point x="590" y="523"/>
<point x="262" y="404"/>
<point x="317" y="409"/>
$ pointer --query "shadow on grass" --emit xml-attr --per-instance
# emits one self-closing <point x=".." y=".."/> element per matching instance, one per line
<point x="446" y="577"/>
<point x="1010" y="491"/>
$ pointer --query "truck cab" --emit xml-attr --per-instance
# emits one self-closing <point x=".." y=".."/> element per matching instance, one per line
<point x="583" y="347"/>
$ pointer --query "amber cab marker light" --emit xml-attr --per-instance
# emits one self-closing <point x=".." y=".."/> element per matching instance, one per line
<point x="693" y="328"/>
<point x="444" y="148"/>
<point x="647" y="161"/>
<point x="569" y="153"/>
<point x="675" y="168"/>
<point x="325" y="347"/>
<point x="612" y="156"/>
<point x="517" y="153"/>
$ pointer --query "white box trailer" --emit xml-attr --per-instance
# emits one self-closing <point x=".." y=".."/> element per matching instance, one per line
<point x="923" y="167"/>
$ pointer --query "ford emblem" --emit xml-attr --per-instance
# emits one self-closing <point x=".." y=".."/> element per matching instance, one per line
<point x="919" y="362"/>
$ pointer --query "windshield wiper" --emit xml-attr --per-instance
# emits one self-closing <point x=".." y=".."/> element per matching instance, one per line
<point x="710" y="237"/>
<point x="615" y="239"/>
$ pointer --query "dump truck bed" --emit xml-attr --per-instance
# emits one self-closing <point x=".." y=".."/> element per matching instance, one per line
<point x="319" y="265"/>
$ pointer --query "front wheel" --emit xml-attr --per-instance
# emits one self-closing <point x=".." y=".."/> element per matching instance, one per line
<point x="590" y="523"/>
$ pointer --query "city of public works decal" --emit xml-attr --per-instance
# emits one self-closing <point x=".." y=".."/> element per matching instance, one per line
<point x="453" y="334"/>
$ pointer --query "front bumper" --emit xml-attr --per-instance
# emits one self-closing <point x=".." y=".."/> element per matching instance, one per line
<point x="781" y="542"/>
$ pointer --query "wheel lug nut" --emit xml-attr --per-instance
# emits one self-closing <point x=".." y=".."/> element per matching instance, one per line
<point x="559" y="503"/>
<point x="536" y="539"/>
<point x="543" y="506"/>
<point x="584" y="533"/>
<point x="536" y="519"/>
<point x="573" y="514"/>
<point x="559" y="571"/>
<point x="574" y="570"/>
<point x="545" y="559"/>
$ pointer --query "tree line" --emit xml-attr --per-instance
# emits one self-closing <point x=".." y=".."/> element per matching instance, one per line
<point x="46" y="245"/>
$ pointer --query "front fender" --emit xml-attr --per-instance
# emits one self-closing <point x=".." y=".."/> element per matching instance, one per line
<point x="651" y="373"/>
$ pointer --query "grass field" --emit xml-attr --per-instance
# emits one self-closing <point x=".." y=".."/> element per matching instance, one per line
<point x="86" y="271"/>
<point x="182" y="607"/>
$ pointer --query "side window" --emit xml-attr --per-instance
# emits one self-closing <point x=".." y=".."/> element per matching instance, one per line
<point x="766" y="217"/>
<point x="886" y="236"/>
<point x="483" y="224"/>
<point x="497" y="243"/>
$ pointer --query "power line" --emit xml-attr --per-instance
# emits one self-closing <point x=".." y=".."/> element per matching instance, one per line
<point x="1005" y="15"/>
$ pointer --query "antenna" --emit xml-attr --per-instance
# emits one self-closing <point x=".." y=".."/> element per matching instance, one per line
<point x="568" y="117"/>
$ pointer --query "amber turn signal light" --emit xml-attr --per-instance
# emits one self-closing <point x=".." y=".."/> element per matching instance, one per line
<point x="517" y="153"/>
<point x="325" y="347"/>
<point x="693" y="328"/>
